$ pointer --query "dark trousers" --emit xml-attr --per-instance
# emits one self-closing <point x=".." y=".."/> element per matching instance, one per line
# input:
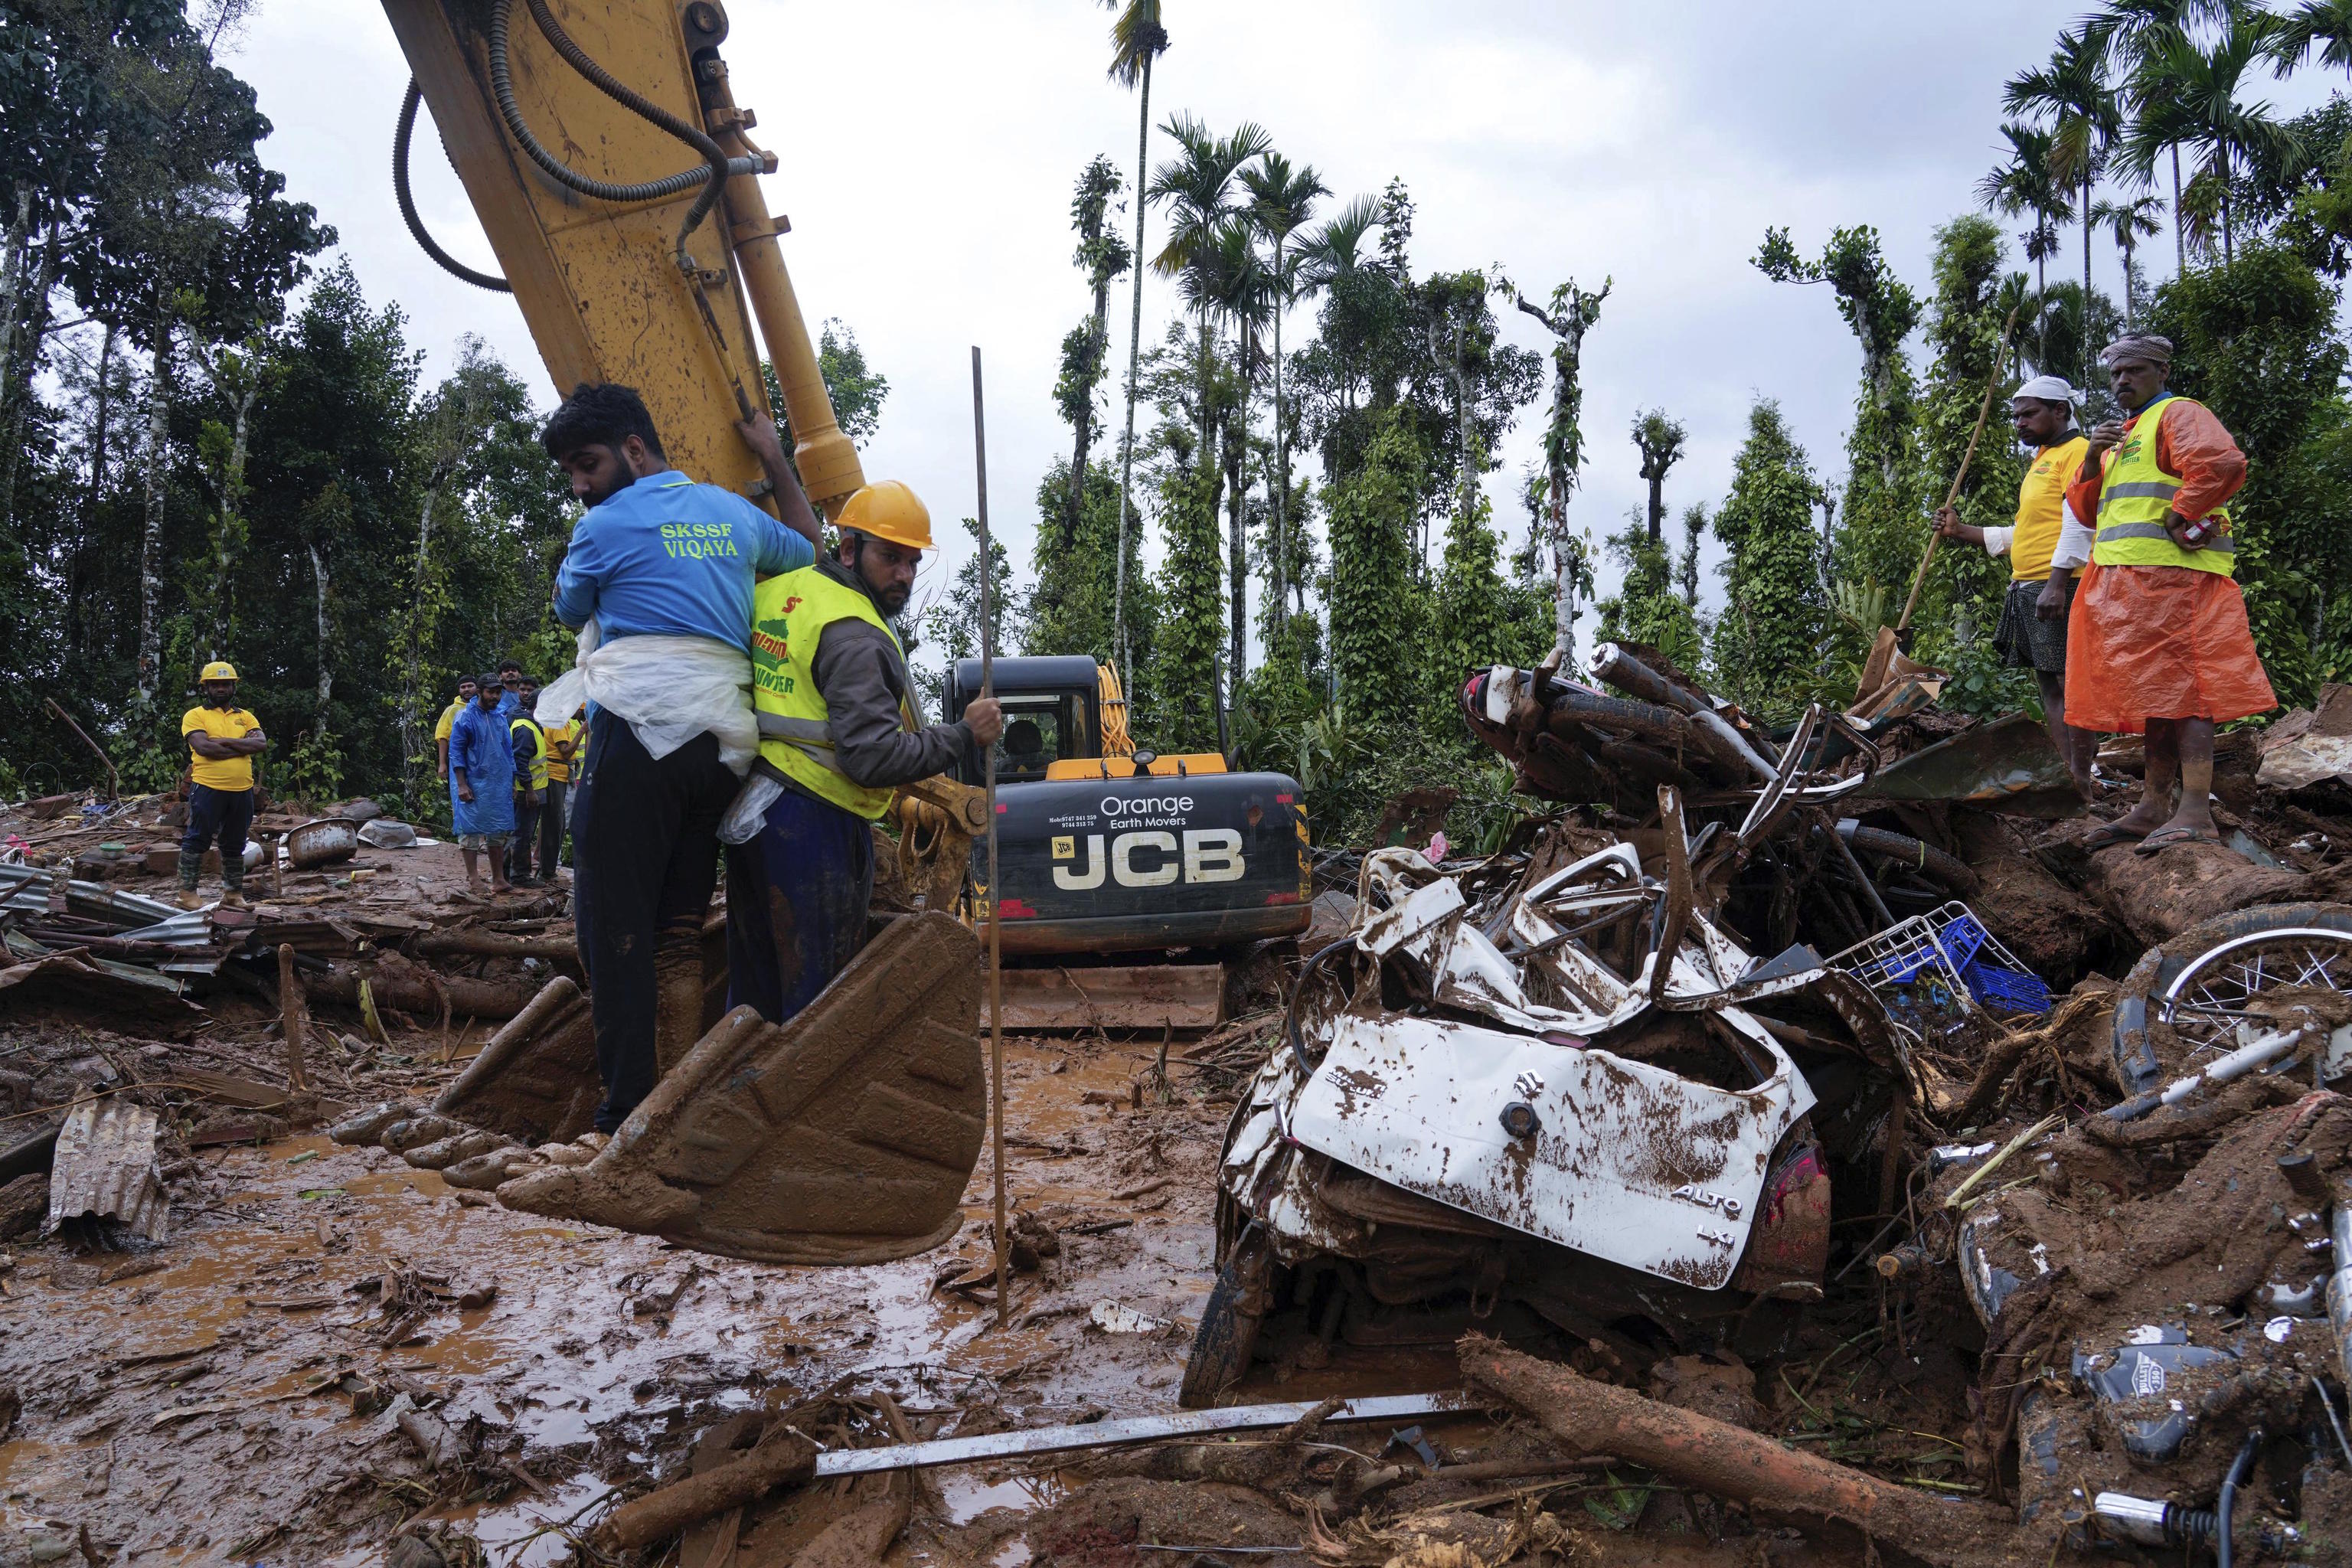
<point x="222" y="813"/>
<point x="797" y="899"/>
<point x="526" y="831"/>
<point x="644" y="850"/>
<point x="551" y="829"/>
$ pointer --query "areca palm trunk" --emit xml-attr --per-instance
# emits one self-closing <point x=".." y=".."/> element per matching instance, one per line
<point x="1237" y="550"/>
<point x="2087" y="225"/>
<point x="1134" y="363"/>
<point x="151" y="532"/>
<point x="2179" y="244"/>
<point x="1280" y="483"/>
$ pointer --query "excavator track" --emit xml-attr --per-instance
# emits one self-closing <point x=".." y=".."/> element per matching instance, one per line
<point x="843" y="1136"/>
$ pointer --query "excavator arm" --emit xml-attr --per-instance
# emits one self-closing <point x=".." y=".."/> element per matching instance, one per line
<point x="606" y="158"/>
<point x="600" y="145"/>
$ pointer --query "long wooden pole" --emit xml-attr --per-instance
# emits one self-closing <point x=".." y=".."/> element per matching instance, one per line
<point x="995" y="951"/>
<point x="1919" y="578"/>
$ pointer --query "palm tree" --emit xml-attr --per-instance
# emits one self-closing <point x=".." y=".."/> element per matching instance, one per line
<point x="1198" y="187"/>
<point x="2085" y="116"/>
<point x="2028" y="184"/>
<point x="2128" y="220"/>
<point x="2325" y="26"/>
<point x="2132" y="31"/>
<point x="1137" y="39"/>
<point x="1281" y="199"/>
<point x="2189" y="98"/>
<point x="1227" y="279"/>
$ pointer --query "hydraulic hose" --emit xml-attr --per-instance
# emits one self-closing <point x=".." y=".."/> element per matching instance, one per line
<point x="712" y="177"/>
<point x="401" y="139"/>
<point x="2228" y="1505"/>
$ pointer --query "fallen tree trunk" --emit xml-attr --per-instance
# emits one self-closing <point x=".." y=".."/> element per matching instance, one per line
<point x="477" y="998"/>
<point x="788" y="1461"/>
<point x="1731" y="1462"/>
<point x="496" y="944"/>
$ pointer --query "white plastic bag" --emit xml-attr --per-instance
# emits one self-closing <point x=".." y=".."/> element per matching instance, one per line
<point x="749" y="813"/>
<point x="668" y="688"/>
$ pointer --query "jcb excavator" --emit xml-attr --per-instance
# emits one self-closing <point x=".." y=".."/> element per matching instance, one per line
<point x="603" y="150"/>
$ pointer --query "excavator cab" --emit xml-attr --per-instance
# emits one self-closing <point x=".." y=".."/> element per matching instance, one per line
<point x="1053" y="714"/>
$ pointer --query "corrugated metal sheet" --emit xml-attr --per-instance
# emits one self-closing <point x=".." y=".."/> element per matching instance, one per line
<point x="26" y="888"/>
<point x="106" y="1167"/>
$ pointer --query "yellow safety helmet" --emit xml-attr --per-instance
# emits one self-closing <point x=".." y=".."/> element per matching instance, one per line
<point x="889" y="511"/>
<point x="218" y="669"/>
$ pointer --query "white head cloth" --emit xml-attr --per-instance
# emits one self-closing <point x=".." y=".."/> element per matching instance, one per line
<point x="2050" y="389"/>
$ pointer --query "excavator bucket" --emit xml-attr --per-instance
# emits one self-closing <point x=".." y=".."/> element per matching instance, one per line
<point x="536" y="1081"/>
<point x="844" y="1136"/>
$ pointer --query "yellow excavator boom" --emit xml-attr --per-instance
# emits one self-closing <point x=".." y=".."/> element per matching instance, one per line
<point x="548" y="107"/>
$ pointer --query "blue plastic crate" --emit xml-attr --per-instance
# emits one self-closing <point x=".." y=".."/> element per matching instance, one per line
<point x="2011" y="990"/>
<point x="1960" y="937"/>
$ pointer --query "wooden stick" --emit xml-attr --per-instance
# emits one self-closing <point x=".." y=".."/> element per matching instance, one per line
<point x="289" y="1005"/>
<point x="995" y="952"/>
<point x="113" y="780"/>
<point x="1919" y="578"/>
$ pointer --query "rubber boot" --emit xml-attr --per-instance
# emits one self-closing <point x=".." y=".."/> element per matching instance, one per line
<point x="232" y="882"/>
<point x="191" y="865"/>
<point x="677" y="990"/>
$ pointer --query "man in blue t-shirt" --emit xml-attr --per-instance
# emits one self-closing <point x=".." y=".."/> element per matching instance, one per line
<point x="657" y="554"/>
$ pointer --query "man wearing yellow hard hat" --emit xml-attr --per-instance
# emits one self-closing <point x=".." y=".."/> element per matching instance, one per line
<point x="222" y="741"/>
<point x="839" y="731"/>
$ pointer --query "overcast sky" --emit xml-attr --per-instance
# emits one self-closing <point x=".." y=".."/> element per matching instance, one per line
<point x="928" y="150"/>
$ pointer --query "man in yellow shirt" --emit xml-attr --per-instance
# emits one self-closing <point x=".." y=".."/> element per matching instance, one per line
<point x="562" y="740"/>
<point x="222" y="741"/>
<point x="448" y="717"/>
<point x="2044" y="546"/>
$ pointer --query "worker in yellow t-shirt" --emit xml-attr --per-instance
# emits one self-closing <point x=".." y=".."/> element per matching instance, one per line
<point x="222" y="741"/>
<point x="448" y="717"/>
<point x="2045" y="547"/>
<point x="562" y="743"/>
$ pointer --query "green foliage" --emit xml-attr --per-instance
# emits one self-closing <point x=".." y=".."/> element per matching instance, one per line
<point x="954" y="621"/>
<point x="314" y="767"/>
<point x="1647" y="608"/>
<point x="1767" y="640"/>
<point x="1966" y="315"/>
<point x="1375" y="608"/>
<point x="1476" y="618"/>
<point x="1179" y="705"/>
<point x="1880" y="533"/>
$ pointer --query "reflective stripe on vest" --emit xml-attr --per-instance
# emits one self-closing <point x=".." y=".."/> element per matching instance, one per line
<point x="2136" y="495"/>
<point x="788" y="614"/>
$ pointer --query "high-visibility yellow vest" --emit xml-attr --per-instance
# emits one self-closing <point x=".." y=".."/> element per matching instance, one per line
<point x="536" y="777"/>
<point x="788" y="614"/>
<point x="2134" y="497"/>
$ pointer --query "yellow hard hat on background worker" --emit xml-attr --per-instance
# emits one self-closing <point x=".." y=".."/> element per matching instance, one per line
<point x="889" y="511"/>
<point x="218" y="669"/>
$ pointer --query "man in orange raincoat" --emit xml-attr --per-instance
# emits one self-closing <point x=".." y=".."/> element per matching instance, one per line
<point x="2158" y="641"/>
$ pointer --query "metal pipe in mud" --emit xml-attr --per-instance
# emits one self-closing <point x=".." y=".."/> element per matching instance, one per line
<point x="995" y="930"/>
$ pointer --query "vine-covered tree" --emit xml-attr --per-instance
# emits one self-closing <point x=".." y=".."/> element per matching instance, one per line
<point x="1767" y="638"/>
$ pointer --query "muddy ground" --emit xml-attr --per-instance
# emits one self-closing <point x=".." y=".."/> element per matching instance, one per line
<point x="234" y="1393"/>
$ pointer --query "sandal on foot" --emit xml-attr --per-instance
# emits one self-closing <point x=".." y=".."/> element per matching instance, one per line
<point x="2166" y="837"/>
<point x="2108" y="834"/>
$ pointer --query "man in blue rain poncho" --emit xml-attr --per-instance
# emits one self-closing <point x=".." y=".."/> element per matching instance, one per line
<point x="481" y="786"/>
